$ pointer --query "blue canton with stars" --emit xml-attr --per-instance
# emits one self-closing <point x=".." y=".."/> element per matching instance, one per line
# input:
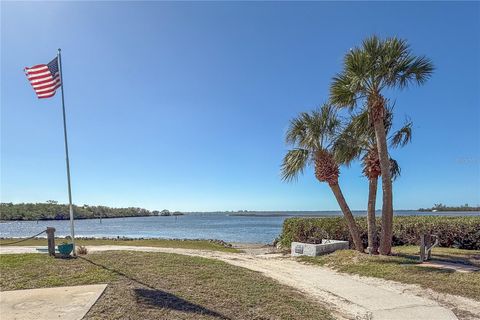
<point x="53" y="66"/>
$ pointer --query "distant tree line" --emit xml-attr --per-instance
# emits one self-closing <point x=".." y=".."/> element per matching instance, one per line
<point x="166" y="213"/>
<point x="442" y="207"/>
<point x="52" y="210"/>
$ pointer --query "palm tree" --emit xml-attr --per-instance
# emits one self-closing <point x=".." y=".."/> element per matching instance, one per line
<point x="358" y="141"/>
<point x="312" y="136"/>
<point x="368" y="70"/>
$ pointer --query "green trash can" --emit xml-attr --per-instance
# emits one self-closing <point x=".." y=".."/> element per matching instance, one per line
<point x="65" y="248"/>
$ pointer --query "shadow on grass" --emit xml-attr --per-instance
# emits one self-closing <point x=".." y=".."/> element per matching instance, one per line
<point x="161" y="299"/>
<point x="430" y="270"/>
<point x="158" y="298"/>
<point x="411" y="257"/>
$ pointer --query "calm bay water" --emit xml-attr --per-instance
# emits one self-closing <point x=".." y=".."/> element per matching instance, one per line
<point x="254" y="227"/>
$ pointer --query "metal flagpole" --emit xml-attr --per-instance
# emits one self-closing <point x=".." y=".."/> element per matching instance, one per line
<point x="72" y="230"/>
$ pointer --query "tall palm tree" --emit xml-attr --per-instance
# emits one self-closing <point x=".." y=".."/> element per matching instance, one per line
<point x="368" y="71"/>
<point x="358" y="141"/>
<point x="312" y="136"/>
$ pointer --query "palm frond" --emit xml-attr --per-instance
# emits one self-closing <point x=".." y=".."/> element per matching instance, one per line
<point x="343" y="92"/>
<point x="328" y="121"/>
<point x="361" y="125"/>
<point x="347" y="148"/>
<point x="294" y="164"/>
<point x="314" y="130"/>
<point x="402" y="136"/>
<point x="395" y="169"/>
<point x="296" y="131"/>
<point x="358" y="66"/>
<point x="415" y="70"/>
<point x="376" y="64"/>
<point x="309" y="133"/>
<point x="401" y="68"/>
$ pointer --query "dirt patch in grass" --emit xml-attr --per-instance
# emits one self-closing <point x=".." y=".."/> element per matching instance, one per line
<point x="163" y="243"/>
<point x="402" y="267"/>
<point x="145" y="285"/>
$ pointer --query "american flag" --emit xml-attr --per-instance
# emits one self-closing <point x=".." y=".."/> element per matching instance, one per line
<point x="44" y="78"/>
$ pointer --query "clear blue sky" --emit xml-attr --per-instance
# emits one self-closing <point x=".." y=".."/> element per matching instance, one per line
<point x="184" y="105"/>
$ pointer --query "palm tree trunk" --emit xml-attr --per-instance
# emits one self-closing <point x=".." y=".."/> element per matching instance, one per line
<point x="352" y="225"/>
<point x="378" y="110"/>
<point x="371" y="220"/>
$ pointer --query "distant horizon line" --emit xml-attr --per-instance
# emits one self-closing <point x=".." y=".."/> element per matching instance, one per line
<point x="226" y="211"/>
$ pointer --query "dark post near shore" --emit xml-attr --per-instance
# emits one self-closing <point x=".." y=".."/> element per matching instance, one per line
<point x="51" y="241"/>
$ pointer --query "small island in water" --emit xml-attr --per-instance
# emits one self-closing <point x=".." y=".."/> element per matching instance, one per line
<point x="52" y="210"/>
<point x="438" y="207"/>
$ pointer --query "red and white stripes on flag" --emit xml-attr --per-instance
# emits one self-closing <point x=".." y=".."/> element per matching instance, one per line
<point x="44" y="78"/>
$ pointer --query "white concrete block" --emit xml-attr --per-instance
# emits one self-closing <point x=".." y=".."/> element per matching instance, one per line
<point x="310" y="249"/>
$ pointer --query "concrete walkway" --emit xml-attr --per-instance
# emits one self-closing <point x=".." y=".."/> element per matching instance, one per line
<point x="350" y="297"/>
<point x="66" y="303"/>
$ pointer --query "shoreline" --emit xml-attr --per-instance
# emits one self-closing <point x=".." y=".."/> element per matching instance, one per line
<point x="270" y="214"/>
<point x="133" y="239"/>
<point x="93" y="218"/>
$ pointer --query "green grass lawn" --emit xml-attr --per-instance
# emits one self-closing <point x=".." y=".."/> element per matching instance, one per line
<point x="144" y="285"/>
<point x="401" y="267"/>
<point x="164" y="243"/>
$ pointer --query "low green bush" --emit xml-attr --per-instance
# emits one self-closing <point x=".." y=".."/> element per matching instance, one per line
<point x="456" y="232"/>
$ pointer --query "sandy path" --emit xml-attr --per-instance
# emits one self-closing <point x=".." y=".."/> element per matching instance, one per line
<point x="350" y="297"/>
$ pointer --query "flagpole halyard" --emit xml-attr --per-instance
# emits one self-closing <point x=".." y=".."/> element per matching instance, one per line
<point x="72" y="229"/>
